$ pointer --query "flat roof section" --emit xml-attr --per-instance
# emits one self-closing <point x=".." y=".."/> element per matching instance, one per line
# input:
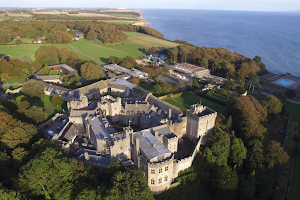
<point x="188" y="68"/>
<point x="146" y="142"/>
<point x="98" y="128"/>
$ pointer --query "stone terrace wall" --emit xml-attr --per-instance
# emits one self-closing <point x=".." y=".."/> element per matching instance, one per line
<point x="182" y="164"/>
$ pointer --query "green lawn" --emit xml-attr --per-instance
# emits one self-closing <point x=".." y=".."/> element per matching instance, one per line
<point x="11" y="87"/>
<point x="175" y="103"/>
<point x="16" y="51"/>
<point x="147" y="87"/>
<point x="140" y="92"/>
<point x="46" y="102"/>
<point x="24" y="40"/>
<point x="11" y="81"/>
<point x="191" y="99"/>
<point x="134" y="47"/>
<point x="257" y="95"/>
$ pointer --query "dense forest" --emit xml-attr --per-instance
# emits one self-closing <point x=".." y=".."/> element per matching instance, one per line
<point x="56" y="32"/>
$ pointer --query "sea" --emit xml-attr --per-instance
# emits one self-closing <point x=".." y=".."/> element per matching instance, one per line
<point x="274" y="36"/>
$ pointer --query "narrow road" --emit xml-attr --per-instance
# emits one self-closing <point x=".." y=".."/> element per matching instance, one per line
<point x="8" y="85"/>
<point x="85" y="54"/>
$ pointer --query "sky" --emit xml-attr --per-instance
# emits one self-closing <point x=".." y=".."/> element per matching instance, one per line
<point x="249" y="5"/>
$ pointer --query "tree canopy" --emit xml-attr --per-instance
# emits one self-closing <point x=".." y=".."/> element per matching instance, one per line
<point x="34" y="88"/>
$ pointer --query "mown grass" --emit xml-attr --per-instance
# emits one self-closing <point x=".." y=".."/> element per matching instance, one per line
<point x="45" y="101"/>
<point x="16" y="51"/>
<point x="175" y="103"/>
<point x="135" y="46"/>
<point x="148" y="87"/>
<point x="24" y="40"/>
<point x="191" y="99"/>
<point x="10" y="81"/>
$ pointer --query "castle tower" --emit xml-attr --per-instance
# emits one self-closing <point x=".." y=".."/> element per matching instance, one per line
<point x="200" y="122"/>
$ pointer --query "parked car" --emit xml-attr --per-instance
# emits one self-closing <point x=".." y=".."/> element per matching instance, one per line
<point x="64" y="121"/>
<point x="58" y="128"/>
<point x="50" y="133"/>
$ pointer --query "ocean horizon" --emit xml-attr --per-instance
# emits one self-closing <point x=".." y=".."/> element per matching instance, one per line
<point x="274" y="36"/>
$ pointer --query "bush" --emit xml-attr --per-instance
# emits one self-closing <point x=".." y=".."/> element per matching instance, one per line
<point x="241" y="90"/>
<point x="223" y="92"/>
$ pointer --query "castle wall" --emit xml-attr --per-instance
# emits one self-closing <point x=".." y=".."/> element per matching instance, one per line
<point x="178" y="128"/>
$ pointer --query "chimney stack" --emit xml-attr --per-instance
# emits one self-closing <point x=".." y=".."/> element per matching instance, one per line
<point x="153" y="145"/>
<point x="170" y="113"/>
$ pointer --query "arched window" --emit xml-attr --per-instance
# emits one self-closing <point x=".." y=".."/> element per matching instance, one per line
<point x="166" y="178"/>
<point x="152" y="182"/>
<point x="160" y="180"/>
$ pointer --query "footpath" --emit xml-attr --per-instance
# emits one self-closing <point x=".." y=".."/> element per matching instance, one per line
<point x="85" y="54"/>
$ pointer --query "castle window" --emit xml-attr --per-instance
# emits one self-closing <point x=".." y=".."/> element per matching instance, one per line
<point x="160" y="181"/>
<point x="160" y="170"/>
<point x="152" y="182"/>
<point x="166" y="178"/>
<point x="166" y="168"/>
<point x="152" y="171"/>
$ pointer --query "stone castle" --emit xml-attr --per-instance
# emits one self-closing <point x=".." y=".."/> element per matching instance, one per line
<point x="153" y="148"/>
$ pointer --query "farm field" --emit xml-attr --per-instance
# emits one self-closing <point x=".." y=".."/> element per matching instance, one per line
<point x="134" y="46"/>
<point x="191" y="99"/>
<point x="16" y="51"/>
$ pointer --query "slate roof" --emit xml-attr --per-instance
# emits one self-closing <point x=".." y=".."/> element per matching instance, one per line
<point x="71" y="132"/>
<point x="93" y="157"/>
<point x="123" y="83"/>
<point x="92" y="88"/>
<point x="146" y="142"/>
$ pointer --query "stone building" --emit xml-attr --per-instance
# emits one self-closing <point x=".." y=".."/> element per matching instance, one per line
<point x="153" y="149"/>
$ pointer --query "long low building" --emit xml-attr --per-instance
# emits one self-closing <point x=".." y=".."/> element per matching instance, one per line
<point x="191" y="70"/>
<point x="132" y="72"/>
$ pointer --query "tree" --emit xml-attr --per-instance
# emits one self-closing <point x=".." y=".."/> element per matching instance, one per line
<point x="9" y="194"/>
<point x="238" y="151"/>
<point x="218" y="149"/>
<point x="36" y="114"/>
<point x="253" y="79"/>
<point x="275" y="152"/>
<point x="195" y="83"/>
<point x="49" y="174"/>
<point x="112" y="60"/>
<point x="18" y="135"/>
<point x="157" y="89"/>
<point x="241" y="90"/>
<point x="203" y="62"/>
<point x="134" y="80"/>
<point x="153" y="50"/>
<point x="225" y="182"/>
<point x="290" y="93"/>
<point x="130" y="185"/>
<point x="57" y="101"/>
<point x="34" y="88"/>
<point x="272" y="105"/>
<point x="91" y="71"/>
<point x="19" y="156"/>
<point x="226" y="85"/>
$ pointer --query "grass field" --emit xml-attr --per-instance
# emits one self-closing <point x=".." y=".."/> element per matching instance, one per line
<point x="16" y="51"/>
<point x="134" y="46"/>
<point x="175" y="103"/>
<point x="46" y="102"/>
<point x="10" y="81"/>
<point x="191" y="99"/>
<point x="24" y="40"/>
